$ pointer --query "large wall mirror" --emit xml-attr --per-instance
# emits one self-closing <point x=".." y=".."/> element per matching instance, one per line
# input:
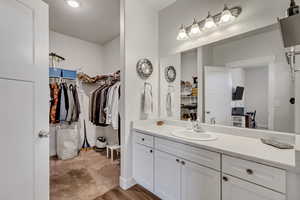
<point x="243" y="81"/>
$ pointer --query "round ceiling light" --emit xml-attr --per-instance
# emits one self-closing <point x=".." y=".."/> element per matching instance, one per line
<point x="73" y="3"/>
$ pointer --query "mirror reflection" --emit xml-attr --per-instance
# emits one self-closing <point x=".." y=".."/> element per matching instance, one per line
<point x="247" y="83"/>
<point x="242" y="81"/>
<point x="189" y="86"/>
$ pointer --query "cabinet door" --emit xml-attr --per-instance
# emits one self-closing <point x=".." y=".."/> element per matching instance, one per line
<point x="237" y="189"/>
<point x="143" y="166"/>
<point x="167" y="176"/>
<point x="199" y="183"/>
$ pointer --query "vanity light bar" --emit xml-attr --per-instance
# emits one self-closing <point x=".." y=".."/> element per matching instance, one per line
<point x="217" y="19"/>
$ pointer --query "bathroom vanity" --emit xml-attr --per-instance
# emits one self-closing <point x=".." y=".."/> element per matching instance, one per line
<point x="235" y="166"/>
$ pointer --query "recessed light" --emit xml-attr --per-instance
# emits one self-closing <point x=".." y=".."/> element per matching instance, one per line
<point x="73" y="3"/>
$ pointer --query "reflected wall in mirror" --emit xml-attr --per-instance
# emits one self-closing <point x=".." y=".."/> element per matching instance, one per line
<point x="247" y="82"/>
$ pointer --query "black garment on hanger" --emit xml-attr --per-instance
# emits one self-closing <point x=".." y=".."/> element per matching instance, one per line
<point x="57" y="115"/>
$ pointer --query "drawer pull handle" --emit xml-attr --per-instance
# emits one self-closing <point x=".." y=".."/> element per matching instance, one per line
<point x="249" y="171"/>
<point x="225" y="178"/>
<point x="143" y="139"/>
<point x="151" y="151"/>
<point x="182" y="162"/>
<point x="177" y="160"/>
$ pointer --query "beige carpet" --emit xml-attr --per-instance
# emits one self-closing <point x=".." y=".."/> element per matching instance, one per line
<point x="83" y="178"/>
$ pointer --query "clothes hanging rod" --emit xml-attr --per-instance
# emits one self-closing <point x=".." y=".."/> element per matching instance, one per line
<point x="90" y="80"/>
<point x="56" y="55"/>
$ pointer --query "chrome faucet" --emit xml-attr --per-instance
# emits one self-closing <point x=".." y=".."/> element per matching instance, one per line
<point x="213" y="120"/>
<point x="197" y="126"/>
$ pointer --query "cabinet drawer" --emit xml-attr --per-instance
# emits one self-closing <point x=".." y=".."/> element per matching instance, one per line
<point x="200" y="156"/>
<point x="237" y="189"/>
<point x="143" y="139"/>
<point x="266" y="176"/>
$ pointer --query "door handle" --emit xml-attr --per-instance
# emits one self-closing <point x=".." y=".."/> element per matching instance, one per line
<point x="43" y="134"/>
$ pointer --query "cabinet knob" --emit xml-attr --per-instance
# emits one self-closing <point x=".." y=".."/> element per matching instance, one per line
<point x="151" y="151"/>
<point x="143" y="139"/>
<point x="182" y="162"/>
<point x="177" y="160"/>
<point x="249" y="171"/>
<point x="225" y="178"/>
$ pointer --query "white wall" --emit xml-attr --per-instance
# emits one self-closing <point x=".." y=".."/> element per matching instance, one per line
<point x="139" y="39"/>
<point x="189" y="65"/>
<point x="266" y="42"/>
<point x="175" y="61"/>
<point x="90" y="59"/>
<point x="78" y="53"/>
<point x="112" y="56"/>
<point x="256" y="93"/>
<point x="256" y="14"/>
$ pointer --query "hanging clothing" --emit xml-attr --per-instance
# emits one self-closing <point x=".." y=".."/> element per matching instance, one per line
<point x="112" y="103"/>
<point x="54" y="94"/>
<point x="115" y="107"/>
<point x="65" y="105"/>
<point x="104" y="105"/>
<point x="77" y="104"/>
<point x="63" y="110"/>
<point x="71" y="103"/>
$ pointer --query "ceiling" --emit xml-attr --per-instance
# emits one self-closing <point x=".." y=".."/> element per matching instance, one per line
<point x="160" y="4"/>
<point x="95" y="21"/>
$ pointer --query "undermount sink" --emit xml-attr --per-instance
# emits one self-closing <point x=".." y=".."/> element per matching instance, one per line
<point x="192" y="135"/>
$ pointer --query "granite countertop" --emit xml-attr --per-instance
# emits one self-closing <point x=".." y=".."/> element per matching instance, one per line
<point x="240" y="146"/>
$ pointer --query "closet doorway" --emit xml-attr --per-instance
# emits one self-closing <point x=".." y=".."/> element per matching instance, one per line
<point x="84" y="84"/>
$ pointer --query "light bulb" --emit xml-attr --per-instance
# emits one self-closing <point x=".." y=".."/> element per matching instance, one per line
<point x="182" y="35"/>
<point x="73" y="3"/>
<point x="209" y="22"/>
<point x="226" y="15"/>
<point x="195" y="29"/>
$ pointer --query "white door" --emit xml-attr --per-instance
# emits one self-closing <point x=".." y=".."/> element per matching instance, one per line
<point x="167" y="176"/>
<point x="199" y="182"/>
<point x="24" y="168"/>
<point x="218" y="94"/>
<point x="236" y="189"/>
<point x="143" y="166"/>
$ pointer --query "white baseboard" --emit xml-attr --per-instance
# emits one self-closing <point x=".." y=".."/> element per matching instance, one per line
<point x="125" y="184"/>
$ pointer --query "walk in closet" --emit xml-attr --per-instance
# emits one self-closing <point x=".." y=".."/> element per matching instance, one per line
<point x="84" y="91"/>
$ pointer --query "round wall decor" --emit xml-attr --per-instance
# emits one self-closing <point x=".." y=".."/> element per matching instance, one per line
<point x="144" y="68"/>
<point x="170" y="74"/>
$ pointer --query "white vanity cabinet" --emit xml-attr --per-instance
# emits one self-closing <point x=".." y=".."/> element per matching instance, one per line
<point x="179" y="179"/>
<point x="143" y="164"/>
<point x="198" y="182"/>
<point x="176" y="171"/>
<point x="248" y="180"/>
<point x="237" y="189"/>
<point x="167" y="176"/>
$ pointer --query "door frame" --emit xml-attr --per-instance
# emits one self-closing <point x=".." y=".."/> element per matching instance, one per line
<point x="266" y="61"/>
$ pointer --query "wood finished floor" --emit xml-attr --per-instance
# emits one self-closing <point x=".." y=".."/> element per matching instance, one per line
<point x="134" y="193"/>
